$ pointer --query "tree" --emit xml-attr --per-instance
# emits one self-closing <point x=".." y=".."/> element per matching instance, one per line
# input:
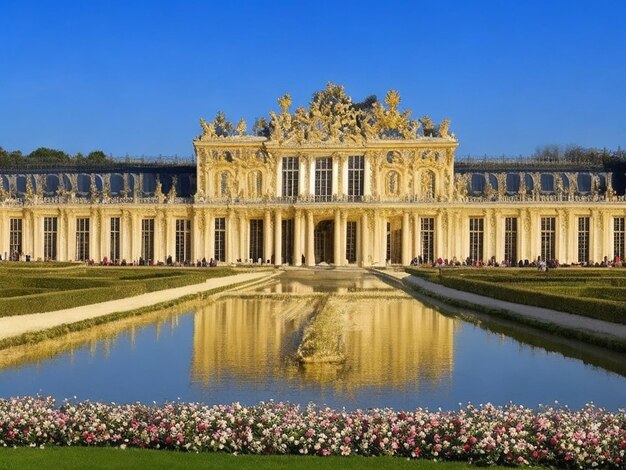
<point x="44" y="155"/>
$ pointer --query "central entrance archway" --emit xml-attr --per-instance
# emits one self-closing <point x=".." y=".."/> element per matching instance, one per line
<point x="324" y="242"/>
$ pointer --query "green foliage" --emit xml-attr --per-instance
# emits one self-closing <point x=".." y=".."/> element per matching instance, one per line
<point x="581" y="292"/>
<point x="51" y="158"/>
<point x="46" y="290"/>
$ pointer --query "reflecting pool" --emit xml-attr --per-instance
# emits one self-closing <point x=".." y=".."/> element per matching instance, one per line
<point x="241" y="346"/>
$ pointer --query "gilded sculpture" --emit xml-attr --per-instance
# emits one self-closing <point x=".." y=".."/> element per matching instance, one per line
<point x="332" y="117"/>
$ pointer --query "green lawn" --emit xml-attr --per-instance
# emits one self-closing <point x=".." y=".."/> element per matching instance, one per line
<point x="106" y="458"/>
<point x="595" y="293"/>
<point x="41" y="287"/>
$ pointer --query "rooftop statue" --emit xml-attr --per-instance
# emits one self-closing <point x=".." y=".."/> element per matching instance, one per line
<point x="333" y="117"/>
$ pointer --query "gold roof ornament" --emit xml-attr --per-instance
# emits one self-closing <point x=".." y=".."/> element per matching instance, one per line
<point x="332" y="117"/>
<point x="241" y="127"/>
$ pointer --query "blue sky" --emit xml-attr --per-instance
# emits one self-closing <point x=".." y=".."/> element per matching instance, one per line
<point x="134" y="77"/>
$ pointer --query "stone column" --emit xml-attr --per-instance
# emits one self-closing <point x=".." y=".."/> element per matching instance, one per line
<point x="244" y="253"/>
<point x="27" y="234"/>
<point x="365" y="240"/>
<point x="297" y="238"/>
<point x="230" y="238"/>
<point x="105" y="235"/>
<point x="196" y="236"/>
<point x="438" y="251"/>
<point x="135" y="247"/>
<point x="35" y="226"/>
<point x="278" y="237"/>
<point x="158" y="237"/>
<point x="343" y="237"/>
<point x="310" y="239"/>
<point x="67" y="235"/>
<point x="594" y="237"/>
<point x="406" y="255"/>
<point x="95" y="234"/>
<point x="337" y="238"/>
<point x="209" y="235"/>
<point x="416" y="236"/>
<point x="267" y="237"/>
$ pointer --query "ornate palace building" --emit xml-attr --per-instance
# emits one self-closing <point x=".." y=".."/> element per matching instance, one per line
<point x="338" y="183"/>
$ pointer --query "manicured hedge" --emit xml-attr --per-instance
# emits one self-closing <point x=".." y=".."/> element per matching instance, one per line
<point x="54" y="292"/>
<point x="57" y="300"/>
<point x="608" y="310"/>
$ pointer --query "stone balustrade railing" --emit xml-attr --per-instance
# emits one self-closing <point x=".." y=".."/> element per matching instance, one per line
<point x="311" y="199"/>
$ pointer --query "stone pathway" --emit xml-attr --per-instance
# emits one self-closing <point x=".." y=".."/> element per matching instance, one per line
<point x="20" y="324"/>
<point x="543" y="315"/>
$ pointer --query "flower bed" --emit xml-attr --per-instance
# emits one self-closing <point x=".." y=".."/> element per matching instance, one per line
<point x="512" y="435"/>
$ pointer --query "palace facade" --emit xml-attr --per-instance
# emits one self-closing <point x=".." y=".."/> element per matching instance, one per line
<point x="338" y="183"/>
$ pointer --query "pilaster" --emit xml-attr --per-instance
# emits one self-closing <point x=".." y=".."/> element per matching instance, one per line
<point x="297" y="238"/>
<point x="278" y="228"/>
<point x="406" y="256"/>
<point x="337" y="239"/>
<point x="310" y="242"/>
<point x="365" y="240"/>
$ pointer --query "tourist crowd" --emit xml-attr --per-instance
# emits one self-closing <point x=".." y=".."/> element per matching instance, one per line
<point x="486" y="434"/>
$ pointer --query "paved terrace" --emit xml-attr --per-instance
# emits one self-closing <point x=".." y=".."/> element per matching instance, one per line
<point x="542" y="315"/>
<point x="19" y="324"/>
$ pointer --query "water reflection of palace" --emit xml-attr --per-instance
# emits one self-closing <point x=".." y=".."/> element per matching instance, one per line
<point x="398" y="341"/>
<point x="389" y="341"/>
<point x="245" y="337"/>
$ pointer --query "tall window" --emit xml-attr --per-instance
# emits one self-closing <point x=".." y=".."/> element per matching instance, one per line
<point x="476" y="237"/>
<point x="147" y="240"/>
<point x="323" y="178"/>
<point x="583" y="239"/>
<point x="15" y="238"/>
<point x="115" y="239"/>
<point x="256" y="239"/>
<point x="356" y="178"/>
<point x="427" y="239"/>
<point x="220" y="239"/>
<point x="548" y="238"/>
<point x="510" y="239"/>
<point x="183" y="240"/>
<point x="50" y="225"/>
<point x="82" y="238"/>
<point x="351" y="242"/>
<point x="618" y="237"/>
<point x="290" y="176"/>
<point x="224" y="184"/>
<point x="288" y="234"/>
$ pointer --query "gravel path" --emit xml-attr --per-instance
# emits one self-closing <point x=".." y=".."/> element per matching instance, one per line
<point x="543" y="315"/>
<point x="20" y="324"/>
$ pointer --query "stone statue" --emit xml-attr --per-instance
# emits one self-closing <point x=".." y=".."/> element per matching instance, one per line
<point x="443" y="128"/>
<point x="241" y="127"/>
<point x="208" y="130"/>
